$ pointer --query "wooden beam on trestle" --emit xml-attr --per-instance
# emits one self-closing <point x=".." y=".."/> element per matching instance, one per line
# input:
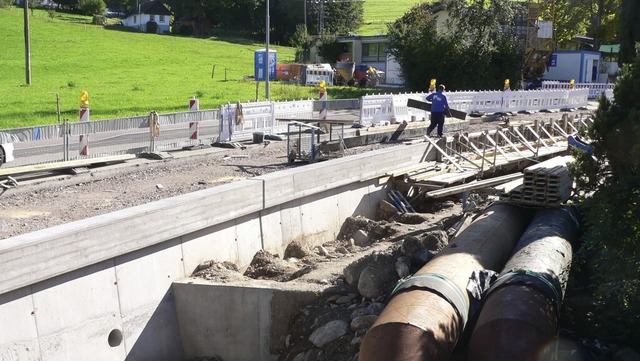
<point x="444" y="154"/>
<point x="553" y="139"/>
<point x="506" y="139"/>
<point x="496" y="146"/>
<point x="538" y="138"/>
<point x="525" y="141"/>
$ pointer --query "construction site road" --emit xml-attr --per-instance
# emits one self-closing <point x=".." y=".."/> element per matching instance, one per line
<point x="41" y="203"/>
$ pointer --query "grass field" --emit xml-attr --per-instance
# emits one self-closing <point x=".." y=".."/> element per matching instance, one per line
<point x="129" y="73"/>
<point x="377" y="13"/>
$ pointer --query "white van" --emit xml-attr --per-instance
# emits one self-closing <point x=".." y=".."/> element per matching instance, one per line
<point x="6" y="148"/>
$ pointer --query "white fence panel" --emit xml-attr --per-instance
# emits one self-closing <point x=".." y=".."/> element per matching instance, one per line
<point x="376" y="109"/>
<point x="242" y="123"/>
<point x="297" y="109"/>
<point x="595" y="89"/>
<point x="401" y="112"/>
<point x="577" y="98"/>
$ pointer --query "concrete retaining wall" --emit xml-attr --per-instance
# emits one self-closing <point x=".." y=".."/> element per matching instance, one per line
<point x="100" y="288"/>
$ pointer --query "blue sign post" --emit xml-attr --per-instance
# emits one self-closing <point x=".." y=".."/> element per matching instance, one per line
<point x="259" y="64"/>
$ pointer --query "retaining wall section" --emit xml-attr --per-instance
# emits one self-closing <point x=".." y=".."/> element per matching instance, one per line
<point x="100" y="288"/>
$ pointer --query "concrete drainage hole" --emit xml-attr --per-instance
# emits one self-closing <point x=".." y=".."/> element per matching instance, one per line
<point x="115" y="338"/>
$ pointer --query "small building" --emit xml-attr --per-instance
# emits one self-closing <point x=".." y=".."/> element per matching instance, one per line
<point x="609" y="54"/>
<point x="580" y="65"/>
<point x="364" y="51"/>
<point x="154" y="11"/>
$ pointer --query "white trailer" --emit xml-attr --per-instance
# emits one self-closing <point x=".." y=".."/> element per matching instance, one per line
<point x="580" y="65"/>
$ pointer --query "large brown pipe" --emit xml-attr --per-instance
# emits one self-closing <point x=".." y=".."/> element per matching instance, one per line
<point x="420" y="322"/>
<point x="520" y="312"/>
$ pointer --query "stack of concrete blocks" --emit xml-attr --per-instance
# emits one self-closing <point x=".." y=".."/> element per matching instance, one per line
<point x="544" y="184"/>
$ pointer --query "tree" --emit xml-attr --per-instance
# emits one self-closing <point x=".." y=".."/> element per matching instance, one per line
<point x="569" y="18"/>
<point x="330" y="48"/>
<point x="477" y="39"/>
<point x="67" y="4"/>
<point x="603" y="21"/>
<point x="612" y="238"/>
<point x="302" y="41"/>
<point x="410" y="38"/>
<point x="629" y="30"/>
<point x="92" y="7"/>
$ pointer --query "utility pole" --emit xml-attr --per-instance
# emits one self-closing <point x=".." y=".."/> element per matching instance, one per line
<point x="304" y="7"/>
<point x="321" y="18"/>
<point x="27" y="43"/>
<point x="268" y="60"/>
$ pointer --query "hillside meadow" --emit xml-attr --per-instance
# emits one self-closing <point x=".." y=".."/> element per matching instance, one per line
<point x="129" y="73"/>
<point x="377" y="13"/>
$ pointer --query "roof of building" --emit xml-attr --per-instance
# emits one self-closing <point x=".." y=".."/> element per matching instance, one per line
<point x="610" y="48"/>
<point x="154" y="7"/>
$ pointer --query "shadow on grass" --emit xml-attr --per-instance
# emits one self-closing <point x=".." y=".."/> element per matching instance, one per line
<point x="233" y="37"/>
<point x="72" y="19"/>
<point x="120" y="27"/>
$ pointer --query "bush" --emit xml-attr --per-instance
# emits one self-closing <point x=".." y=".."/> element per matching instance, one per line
<point x="152" y="27"/>
<point x="99" y="20"/>
<point x="185" y="29"/>
<point x="612" y="237"/>
<point x="92" y="7"/>
<point x="5" y="3"/>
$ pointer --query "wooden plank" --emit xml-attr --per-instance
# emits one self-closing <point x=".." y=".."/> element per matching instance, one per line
<point x="48" y="167"/>
<point x="474" y="185"/>
<point x="450" y="178"/>
<point x="412" y="103"/>
<point x="412" y="169"/>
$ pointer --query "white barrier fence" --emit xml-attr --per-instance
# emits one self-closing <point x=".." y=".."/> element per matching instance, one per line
<point x="239" y="121"/>
<point x="385" y="108"/>
<point x="376" y="109"/>
<point x="595" y="89"/>
<point x="41" y="144"/>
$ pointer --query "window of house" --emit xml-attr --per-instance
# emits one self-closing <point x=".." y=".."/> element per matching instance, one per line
<point x="161" y="18"/>
<point x="374" y="51"/>
<point x="135" y="19"/>
<point x="152" y="18"/>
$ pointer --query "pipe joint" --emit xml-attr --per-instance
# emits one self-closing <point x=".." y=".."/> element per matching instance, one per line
<point x="531" y="279"/>
<point x="440" y="285"/>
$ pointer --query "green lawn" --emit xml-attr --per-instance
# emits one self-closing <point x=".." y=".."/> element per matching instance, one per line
<point x="377" y="13"/>
<point x="125" y="73"/>
<point x="129" y="73"/>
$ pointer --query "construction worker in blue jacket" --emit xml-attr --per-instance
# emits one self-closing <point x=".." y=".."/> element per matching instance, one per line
<point x="439" y="106"/>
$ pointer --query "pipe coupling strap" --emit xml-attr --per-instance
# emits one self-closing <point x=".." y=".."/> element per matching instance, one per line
<point x="440" y="285"/>
<point x="530" y="279"/>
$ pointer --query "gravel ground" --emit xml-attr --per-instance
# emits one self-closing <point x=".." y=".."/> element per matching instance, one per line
<point x="37" y="204"/>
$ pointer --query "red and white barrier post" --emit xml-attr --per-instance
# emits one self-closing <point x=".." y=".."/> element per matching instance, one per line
<point x="193" y="130"/>
<point x="84" y="106"/>
<point x="84" y="144"/>
<point x="323" y="103"/>
<point x="194" y="104"/>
